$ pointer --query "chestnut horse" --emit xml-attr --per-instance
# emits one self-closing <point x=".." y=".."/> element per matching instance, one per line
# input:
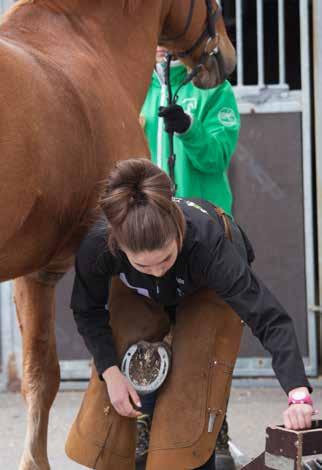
<point x="74" y="74"/>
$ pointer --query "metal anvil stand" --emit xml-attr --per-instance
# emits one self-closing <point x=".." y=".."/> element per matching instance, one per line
<point x="285" y="449"/>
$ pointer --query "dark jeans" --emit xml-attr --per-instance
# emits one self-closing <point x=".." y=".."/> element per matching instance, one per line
<point x="148" y="403"/>
<point x="210" y="465"/>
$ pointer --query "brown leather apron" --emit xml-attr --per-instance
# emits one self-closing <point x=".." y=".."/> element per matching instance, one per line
<point x="191" y="404"/>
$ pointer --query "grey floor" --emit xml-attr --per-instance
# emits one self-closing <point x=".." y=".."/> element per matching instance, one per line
<point x="250" y="411"/>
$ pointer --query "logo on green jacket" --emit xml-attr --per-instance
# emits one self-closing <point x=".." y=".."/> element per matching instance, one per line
<point x="227" y="117"/>
<point x="189" y="104"/>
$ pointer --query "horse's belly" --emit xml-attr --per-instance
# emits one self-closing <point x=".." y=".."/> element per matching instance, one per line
<point x="38" y="243"/>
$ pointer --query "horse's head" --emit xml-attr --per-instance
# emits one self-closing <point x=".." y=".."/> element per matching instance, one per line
<point x="196" y="33"/>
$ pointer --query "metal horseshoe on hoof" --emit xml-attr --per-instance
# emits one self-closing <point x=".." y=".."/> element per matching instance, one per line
<point x="146" y="365"/>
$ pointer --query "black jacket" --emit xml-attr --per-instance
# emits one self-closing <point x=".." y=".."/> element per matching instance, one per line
<point x="208" y="259"/>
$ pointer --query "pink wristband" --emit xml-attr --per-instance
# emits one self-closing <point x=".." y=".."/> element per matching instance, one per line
<point x="300" y="398"/>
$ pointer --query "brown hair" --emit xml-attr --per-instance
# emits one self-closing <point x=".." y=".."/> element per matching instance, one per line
<point x="138" y="205"/>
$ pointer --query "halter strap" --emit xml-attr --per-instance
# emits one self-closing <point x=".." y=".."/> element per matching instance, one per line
<point x="210" y="28"/>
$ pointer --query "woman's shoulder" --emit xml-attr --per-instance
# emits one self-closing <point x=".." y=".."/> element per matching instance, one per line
<point x="96" y="236"/>
<point x="196" y="209"/>
<point x="203" y="224"/>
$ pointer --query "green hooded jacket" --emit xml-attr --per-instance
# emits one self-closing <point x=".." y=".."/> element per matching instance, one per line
<point x="204" y="151"/>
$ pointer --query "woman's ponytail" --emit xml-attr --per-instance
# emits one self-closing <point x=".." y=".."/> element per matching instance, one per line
<point x="137" y="202"/>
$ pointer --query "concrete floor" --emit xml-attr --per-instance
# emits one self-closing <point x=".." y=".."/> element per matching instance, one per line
<point x="250" y="411"/>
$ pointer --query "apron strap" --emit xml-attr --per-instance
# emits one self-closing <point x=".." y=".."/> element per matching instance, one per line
<point x="226" y="222"/>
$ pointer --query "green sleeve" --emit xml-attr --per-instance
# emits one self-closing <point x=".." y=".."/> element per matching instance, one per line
<point x="212" y="137"/>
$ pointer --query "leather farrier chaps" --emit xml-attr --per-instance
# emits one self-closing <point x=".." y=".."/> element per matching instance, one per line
<point x="191" y="405"/>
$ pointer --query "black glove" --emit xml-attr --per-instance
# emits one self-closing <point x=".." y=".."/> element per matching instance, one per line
<point x="175" y="119"/>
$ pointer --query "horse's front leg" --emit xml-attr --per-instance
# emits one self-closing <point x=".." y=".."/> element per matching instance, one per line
<point x="34" y="298"/>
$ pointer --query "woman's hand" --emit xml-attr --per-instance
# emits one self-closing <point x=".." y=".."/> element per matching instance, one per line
<point x="121" y="393"/>
<point x="299" y="415"/>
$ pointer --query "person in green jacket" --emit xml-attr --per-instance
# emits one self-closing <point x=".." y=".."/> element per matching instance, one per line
<point x="206" y="127"/>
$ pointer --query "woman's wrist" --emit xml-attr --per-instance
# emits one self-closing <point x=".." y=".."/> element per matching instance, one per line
<point x="110" y="372"/>
<point x="300" y="395"/>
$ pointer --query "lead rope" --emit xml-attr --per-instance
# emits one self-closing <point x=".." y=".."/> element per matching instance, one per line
<point x="172" y="99"/>
<point x="172" y="157"/>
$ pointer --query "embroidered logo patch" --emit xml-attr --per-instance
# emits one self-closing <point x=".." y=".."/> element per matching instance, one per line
<point x="227" y="117"/>
<point x="190" y="104"/>
<point x="196" y="206"/>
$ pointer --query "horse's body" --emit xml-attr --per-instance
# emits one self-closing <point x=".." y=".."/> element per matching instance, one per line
<point x="69" y="109"/>
<point x="74" y="74"/>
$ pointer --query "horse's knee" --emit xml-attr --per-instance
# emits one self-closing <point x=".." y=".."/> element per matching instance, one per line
<point x="34" y="297"/>
<point x="41" y="379"/>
